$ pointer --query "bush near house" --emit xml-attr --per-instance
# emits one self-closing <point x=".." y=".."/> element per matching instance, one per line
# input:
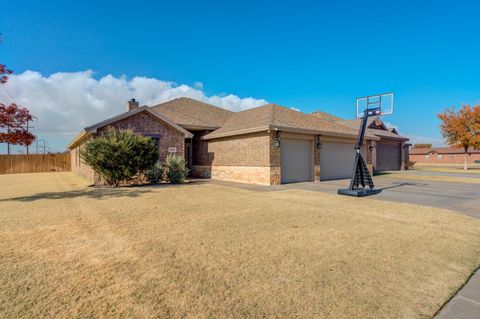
<point x="155" y="174"/>
<point x="175" y="169"/>
<point x="120" y="155"/>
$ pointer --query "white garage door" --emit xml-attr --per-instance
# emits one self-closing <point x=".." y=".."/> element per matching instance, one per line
<point x="296" y="160"/>
<point x="336" y="160"/>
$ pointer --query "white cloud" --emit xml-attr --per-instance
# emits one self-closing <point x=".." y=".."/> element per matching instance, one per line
<point x="198" y="85"/>
<point x="65" y="102"/>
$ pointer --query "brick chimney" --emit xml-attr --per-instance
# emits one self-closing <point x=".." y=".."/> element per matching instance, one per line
<point x="132" y="105"/>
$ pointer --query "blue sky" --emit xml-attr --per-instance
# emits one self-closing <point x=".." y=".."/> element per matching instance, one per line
<point x="307" y="55"/>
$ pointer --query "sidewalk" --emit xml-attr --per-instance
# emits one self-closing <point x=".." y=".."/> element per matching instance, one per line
<point x="466" y="303"/>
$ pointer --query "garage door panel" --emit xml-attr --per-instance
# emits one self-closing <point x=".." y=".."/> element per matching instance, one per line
<point x="336" y="160"/>
<point x="389" y="157"/>
<point x="296" y="160"/>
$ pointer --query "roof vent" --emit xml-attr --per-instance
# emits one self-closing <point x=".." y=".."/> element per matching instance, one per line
<point x="132" y="105"/>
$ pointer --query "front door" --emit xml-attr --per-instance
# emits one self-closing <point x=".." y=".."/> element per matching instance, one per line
<point x="188" y="154"/>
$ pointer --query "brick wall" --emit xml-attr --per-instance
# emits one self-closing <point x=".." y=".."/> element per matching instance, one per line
<point x="242" y="150"/>
<point x="140" y="123"/>
<point x="78" y="165"/>
<point x="200" y="154"/>
<point x="243" y="158"/>
<point x="434" y="158"/>
<point x="145" y="123"/>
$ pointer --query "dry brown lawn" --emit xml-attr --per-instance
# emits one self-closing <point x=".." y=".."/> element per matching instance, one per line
<point x="472" y="169"/>
<point x="433" y="178"/>
<point x="208" y="251"/>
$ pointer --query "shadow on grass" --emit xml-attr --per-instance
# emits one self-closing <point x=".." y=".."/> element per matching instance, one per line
<point x="97" y="193"/>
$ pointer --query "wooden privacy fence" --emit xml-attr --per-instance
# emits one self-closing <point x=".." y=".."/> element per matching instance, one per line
<point x="34" y="163"/>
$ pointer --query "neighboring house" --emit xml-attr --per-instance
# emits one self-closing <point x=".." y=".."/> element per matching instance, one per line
<point x="438" y="155"/>
<point x="269" y="144"/>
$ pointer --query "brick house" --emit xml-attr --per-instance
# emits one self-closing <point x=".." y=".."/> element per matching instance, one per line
<point x="444" y="155"/>
<point x="268" y="145"/>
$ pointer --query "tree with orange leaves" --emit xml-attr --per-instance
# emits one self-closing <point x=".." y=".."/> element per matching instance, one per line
<point x="461" y="129"/>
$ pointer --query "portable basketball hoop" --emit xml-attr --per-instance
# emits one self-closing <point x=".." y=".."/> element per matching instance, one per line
<point x="373" y="105"/>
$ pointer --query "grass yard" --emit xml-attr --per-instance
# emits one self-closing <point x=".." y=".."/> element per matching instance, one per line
<point x="433" y="178"/>
<point x="208" y="251"/>
<point x="472" y="169"/>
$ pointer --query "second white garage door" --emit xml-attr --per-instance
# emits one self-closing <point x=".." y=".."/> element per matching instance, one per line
<point x="336" y="160"/>
<point x="296" y="160"/>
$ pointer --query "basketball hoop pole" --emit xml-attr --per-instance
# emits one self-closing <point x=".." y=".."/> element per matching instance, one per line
<point x="360" y="173"/>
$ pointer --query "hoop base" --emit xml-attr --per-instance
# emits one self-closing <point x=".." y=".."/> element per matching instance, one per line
<point x="358" y="192"/>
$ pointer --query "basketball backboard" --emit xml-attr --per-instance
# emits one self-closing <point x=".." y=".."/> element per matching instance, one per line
<point x="379" y="104"/>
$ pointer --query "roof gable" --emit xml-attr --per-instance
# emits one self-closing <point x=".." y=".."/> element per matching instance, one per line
<point x="92" y="129"/>
<point x="377" y="127"/>
<point x="377" y="124"/>
<point x="160" y="116"/>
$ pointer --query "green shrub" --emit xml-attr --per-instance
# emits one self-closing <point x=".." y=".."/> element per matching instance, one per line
<point x="175" y="169"/>
<point x="119" y="155"/>
<point x="154" y="175"/>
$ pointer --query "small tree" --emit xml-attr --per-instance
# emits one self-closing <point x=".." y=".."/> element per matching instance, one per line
<point x="462" y="128"/>
<point x="14" y="125"/>
<point x="119" y="155"/>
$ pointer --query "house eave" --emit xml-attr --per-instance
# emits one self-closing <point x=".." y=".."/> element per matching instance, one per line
<point x="286" y="129"/>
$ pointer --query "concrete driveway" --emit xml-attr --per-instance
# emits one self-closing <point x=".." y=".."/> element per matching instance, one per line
<point x="460" y="197"/>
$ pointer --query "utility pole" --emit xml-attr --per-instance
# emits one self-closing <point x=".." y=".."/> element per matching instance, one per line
<point x="44" y="146"/>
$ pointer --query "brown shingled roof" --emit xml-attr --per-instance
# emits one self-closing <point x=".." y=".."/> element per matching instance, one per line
<point x="326" y="116"/>
<point x="193" y="114"/>
<point x="441" y="150"/>
<point x="390" y="133"/>
<point x="272" y="116"/>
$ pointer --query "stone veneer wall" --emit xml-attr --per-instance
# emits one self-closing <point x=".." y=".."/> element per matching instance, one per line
<point x="243" y="158"/>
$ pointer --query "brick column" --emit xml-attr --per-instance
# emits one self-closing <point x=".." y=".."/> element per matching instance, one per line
<point x="402" y="164"/>
<point x="275" y="168"/>
<point x="316" y="159"/>
<point x="374" y="156"/>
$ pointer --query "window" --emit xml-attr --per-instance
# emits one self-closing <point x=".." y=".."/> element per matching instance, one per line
<point x="440" y="157"/>
<point x="427" y="157"/>
<point x="156" y="140"/>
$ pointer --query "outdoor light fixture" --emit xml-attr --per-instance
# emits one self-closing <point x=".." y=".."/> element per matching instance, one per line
<point x="277" y="138"/>
<point x="319" y="144"/>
